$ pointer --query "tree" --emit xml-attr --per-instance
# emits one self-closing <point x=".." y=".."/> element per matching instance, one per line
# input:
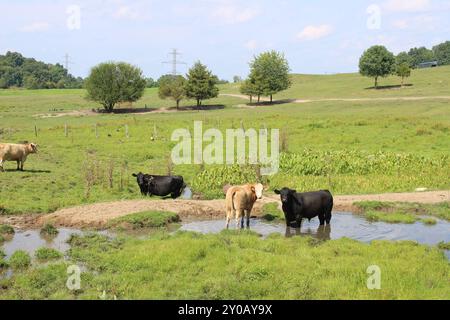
<point x="442" y="53"/>
<point x="150" y="83"/>
<point x="248" y="88"/>
<point x="201" y="84"/>
<point x="419" y="55"/>
<point x="111" y="83"/>
<point x="237" y="79"/>
<point x="403" y="70"/>
<point x="173" y="87"/>
<point x="270" y="72"/>
<point x="377" y="62"/>
<point x="403" y="57"/>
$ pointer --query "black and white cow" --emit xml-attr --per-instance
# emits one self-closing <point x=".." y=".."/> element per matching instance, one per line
<point x="161" y="186"/>
<point x="299" y="206"/>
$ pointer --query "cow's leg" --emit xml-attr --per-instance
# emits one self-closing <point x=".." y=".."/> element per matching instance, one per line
<point x="21" y="165"/>
<point x="229" y="216"/>
<point x="248" y="213"/>
<point x="299" y="222"/>
<point x="18" y="165"/>
<point x="239" y="217"/>
<point x="1" y="165"/>
<point x="328" y="216"/>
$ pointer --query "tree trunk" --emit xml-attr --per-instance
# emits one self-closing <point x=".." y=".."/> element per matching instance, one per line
<point x="403" y="80"/>
<point x="271" y="98"/>
<point x="198" y="103"/>
<point x="178" y="104"/>
<point x="376" y="82"/>
<point x="251" y="99"/>
<point x="259" y="98"/>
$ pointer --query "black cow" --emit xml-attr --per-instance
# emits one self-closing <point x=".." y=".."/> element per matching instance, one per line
<point x="161" y="186"/>
<point x="299" y="206"/>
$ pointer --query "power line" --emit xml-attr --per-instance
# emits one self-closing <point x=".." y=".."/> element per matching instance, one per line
<point x="174" y="62"/>
<point x="67" y="62"/>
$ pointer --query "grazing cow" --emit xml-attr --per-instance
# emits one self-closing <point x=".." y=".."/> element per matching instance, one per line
<point x="16" y="152"/>
<point x="240" y="201"/>
<point x="299" y="206"/>
<point x="161" y="186"/>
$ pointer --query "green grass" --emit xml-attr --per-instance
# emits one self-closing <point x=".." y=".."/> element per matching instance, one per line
<point x="440" y="210"/>
<point x="46" y="254"/>
<point x="271" y="212"/>
<point x="143" y="220"/>
<point x="232" y="266"/>
<point x="49" y="230"/>
<point x="429" y="221"/>
<point x="347" y="147"/>
<point x="444" y="245"/>
<point x="20" y="260"/>
<point x="425" y="82"/>
<point x="6" y="229"/>
<point x="394" y="217"/>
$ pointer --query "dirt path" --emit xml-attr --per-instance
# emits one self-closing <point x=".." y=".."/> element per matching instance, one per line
<point x="263" y="99"/>
<point x="98" y="215"/>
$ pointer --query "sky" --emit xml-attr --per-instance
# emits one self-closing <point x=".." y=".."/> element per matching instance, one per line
<point x="317" y="37"/>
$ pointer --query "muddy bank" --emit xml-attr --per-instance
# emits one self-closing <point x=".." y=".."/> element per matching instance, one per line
<point x="98" y="215"/>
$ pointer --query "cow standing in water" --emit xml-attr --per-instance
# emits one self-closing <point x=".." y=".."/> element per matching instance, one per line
<point x="161" y="186"/>
<point x="299" y="206"/>
<point x="240" y="201"/>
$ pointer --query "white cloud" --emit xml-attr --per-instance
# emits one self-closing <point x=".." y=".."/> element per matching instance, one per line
<point x="232" y="14"/>
<point x="407" y="5"/>
<point x="251" y="44"/>
<point x="36" y="27"/>
<point x="423" y="22"/>
<point x="315" y="32"/>
<point x="126" y="12"/>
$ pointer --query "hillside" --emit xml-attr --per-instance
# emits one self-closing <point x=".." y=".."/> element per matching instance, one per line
<point x="423" y="82"/>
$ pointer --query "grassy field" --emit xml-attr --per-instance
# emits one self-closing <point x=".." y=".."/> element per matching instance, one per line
<point x="348" y="147"/>
<point x="230" y="266"/>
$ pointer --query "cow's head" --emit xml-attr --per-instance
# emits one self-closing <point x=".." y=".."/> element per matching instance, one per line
<point x="285" y="194"/>
<point x="139" y="177"/>
<point x="258" y="190"/>
<point x="32" y="148"/>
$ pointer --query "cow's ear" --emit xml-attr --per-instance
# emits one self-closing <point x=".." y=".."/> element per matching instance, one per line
<point x="253" y="189"/>
<point x="293" y="191"/>
<point x="135" y="175"/>
<point x="277" y="192"/>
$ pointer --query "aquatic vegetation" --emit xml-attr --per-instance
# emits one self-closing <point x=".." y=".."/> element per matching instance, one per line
<point x="20" y="260"/>
<point x="46" y="254"/>
<point x="439" y="210"/>
<point x="49" y="230"/>
<point x="444" y="245"/>
<point x="394" y="217"/>
<point x="271" y="212"/>
<point x="147" y="219"/>
<point x="6" y="229"/>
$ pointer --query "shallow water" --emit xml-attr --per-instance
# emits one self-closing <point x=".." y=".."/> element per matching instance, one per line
<point x="342" y="225"/>
<point x="31" y="240"/>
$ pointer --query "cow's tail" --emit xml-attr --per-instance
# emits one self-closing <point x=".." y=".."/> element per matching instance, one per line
<point x="232" y="200"/>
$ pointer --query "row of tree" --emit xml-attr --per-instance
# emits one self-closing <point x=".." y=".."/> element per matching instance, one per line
<point x="439" y="53"/>
<point x="21" y="72"/>
<point x="112" y="83"/>
<point x="377" y="62"/>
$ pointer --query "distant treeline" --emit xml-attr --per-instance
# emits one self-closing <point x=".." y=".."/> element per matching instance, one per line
<point x="18" y="71"/>
<point x="439" y="53"/>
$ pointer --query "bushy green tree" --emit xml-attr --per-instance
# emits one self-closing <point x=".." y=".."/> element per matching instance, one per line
<point x="173" y="87"/>
<point x="248" y="88"/>
<point x="269" y="72"/>
<point x="442" y="53"/>
<point x="377" y="62"/>
<point x="111" y="83"/>
<point x="201" y="84"/>
<point x="403" y="70"/>
<point x="419" y="55"/>
<point x="403" y="57"/>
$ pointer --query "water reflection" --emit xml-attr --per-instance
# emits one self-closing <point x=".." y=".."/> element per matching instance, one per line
<point x="321" y="233"/>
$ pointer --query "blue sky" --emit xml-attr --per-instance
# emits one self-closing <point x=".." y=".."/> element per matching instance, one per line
<point x="316" y="36"/>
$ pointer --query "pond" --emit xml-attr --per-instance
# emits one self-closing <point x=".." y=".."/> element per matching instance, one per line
<point x="342" y="225"/>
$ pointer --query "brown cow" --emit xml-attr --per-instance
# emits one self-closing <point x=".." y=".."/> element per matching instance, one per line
<point x="16" y="152"/>
<point x="240" y="201"/>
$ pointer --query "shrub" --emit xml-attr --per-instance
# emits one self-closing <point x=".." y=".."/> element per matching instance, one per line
<point x="49" y="230"/>
<point x="20" y="260"/>
<point x="147" y="219"/>
<point x="6" y="229"/>
<point x="45" y="254"/>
